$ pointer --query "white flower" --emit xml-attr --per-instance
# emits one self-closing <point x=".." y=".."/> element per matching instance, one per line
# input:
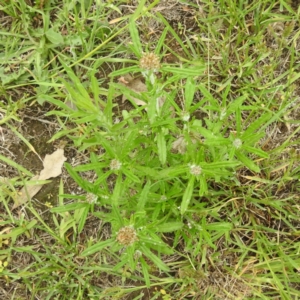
<point x="91" y="198"/>
<point x="137" y="254"/>
<point x="115" y="164"/>
<point x="195" y="170"/>
<point x="185" y="116"/>
<point x="237" y="143"/>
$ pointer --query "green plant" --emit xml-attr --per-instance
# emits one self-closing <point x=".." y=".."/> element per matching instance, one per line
<point x="160" y="156"/>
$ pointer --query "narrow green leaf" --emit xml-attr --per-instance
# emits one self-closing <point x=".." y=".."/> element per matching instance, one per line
<point x="83" y="103"/>
<point x="36" y="182"/>
<point x="145" y="272"/>
<point x="91" y="166"/>
<point x="75" y="80"/>
<point x="169" y="227"/>
<point x="258" y="179"/>
<point x="109" y="103"/>
<point x="128" y="141"/>
<point x="151" y="110"/>
<point x="177" y="38"/>
<point x="162" y="148"/>
<point x="75" y="176"/>
<point x="171" y="172"/>
<point x="61" y="196"/>
<point x="120" y="264"/>
<point x="247" y="162"/>
<point x="238" y="118"/>
<point x="140" y="8"/>
<point x="235" y="104"/>
<point x="69" y="207"/>
<point x="256" y="151"/>
<point x="207" y="237"/>
<point x="256" y="125"/>
<point x="150" y="172"/>
<point x="219" y="164"/>
<point x="157" y="261"/>
<point x="15" y="165"/>
<point x="187" y="195"/>
<point x="65" y="226"/>
<point x="161" y="41"/>
<point x="207" y="133"/>
<point x="54" y="37"/>
<point x="208" y="95"/>
<point x="117" y="191"/>
<point x="117" y="215"/>
<point x="130" y="253"/>
<point x="189" y="92"/>
<point x="106" y="145"/>
<point x="17" y="231"/>
<point x="14" y="233"/>
<point x="137" y="46"/>
<point x="203" y="186"/>
<point x="122" y="71"/>
<point x="97" y="247"/>
<point x="143" y="197"/>
<point x="130" y="175"/>
<point x="185" y="72"/>
<point x="30" y="224"/>
<point x="95" y="89"/>
<point x="58" y="103"/>
<point x="102" y="177"/>
<point x="222" y="226"/>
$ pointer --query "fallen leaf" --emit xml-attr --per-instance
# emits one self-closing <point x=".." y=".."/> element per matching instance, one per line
<point x="115" y="21"/>
<point x="53" y="164"/>
<point x="52" y="168"/>
<point x="134" y="84"/>
<point x="137" y="86"/>
<point x="123" y="80"/>
<point x="179" y="145"/>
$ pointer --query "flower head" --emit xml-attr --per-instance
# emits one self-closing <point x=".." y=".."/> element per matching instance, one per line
<point x="195" y="170"/>
<point x="150" y="62"/>
<point x="127" y="236"/>
<point x="115" y="164"/>
<point x="185" y="116"/>
<point x="237" y="143"/>
<point x="91" y="198"/>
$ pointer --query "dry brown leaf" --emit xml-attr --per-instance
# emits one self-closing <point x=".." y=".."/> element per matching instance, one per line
<point x="53" y="164"/>
<point x="52" y="168"/>
<point x="179" y="145"/>
<point x="115" y="21"/>
<point x="27" y="192"/>
<point x="135" y="85"/>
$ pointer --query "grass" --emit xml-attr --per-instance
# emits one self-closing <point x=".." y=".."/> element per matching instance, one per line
<point x="182" y="181"/>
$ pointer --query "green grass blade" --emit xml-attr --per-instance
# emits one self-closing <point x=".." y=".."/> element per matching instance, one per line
<point x="97" y="247"/>
<point x="15" y="165"/>
<point x="187" y="195"/>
